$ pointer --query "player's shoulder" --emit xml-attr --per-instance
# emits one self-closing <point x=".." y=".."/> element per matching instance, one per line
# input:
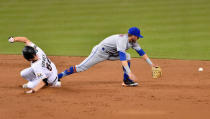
<point x="37" y="65"/>
<point x="120" y="36"/>
<point x="39" y="51"/>
<point x="134" y="43"/>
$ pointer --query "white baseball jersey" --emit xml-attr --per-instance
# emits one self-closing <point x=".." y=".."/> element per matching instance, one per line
<point x="43" y="67"/>
<point x="115" y="43"/>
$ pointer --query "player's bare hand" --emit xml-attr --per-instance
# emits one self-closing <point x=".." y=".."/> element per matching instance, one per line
<point x="132" y="76"/>
<point x="155" y="65"/>
<point x="11" y="39"/>
<point x="29" y="91"/>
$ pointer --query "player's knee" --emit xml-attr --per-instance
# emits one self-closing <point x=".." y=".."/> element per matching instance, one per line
<point x="30" y="85"/>
<point x="128" y="56"/>
<point x="80" y="68"/>
<point x="23" y="73"/>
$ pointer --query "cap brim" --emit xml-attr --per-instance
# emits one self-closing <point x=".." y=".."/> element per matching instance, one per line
<point x="140" y="36"/>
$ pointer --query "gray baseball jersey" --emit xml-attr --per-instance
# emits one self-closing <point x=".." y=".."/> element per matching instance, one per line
<point x="116" y="43"/>
<point x="108" y="50"/>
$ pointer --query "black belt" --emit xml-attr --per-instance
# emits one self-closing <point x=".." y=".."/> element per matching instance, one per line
<point x="110" y="53"/>
<point x="55" y="79"/>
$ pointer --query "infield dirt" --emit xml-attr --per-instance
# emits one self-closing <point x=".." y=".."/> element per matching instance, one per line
<point x="182" y="92"/>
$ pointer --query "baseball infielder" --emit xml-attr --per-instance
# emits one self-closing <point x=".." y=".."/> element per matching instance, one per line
<point x="42" y="72"/>
<point x="113" y="48"/>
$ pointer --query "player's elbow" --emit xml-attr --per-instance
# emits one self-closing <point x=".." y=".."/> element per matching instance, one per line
<point x="26" y="40"/>
<point x="141" y="52"/>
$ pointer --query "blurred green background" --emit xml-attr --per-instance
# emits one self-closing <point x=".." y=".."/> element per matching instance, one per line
<point x="177" y="29"/>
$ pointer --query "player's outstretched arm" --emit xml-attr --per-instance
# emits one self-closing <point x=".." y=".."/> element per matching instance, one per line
<point x="156" y="70"/>
<point x="147" y="59"/>
<point x="144" y="55"/>
<point x="19" y="39"/>
<point x="37" y="88"/>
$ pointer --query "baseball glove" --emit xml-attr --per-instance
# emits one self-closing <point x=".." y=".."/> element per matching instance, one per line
<point x="156" y="72"/>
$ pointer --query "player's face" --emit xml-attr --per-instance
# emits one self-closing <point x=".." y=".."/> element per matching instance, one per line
<point x="133" y="38"/>
<point x="35" y="58"/>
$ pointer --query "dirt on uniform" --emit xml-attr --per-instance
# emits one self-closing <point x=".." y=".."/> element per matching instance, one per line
<point x="182" y="92"/>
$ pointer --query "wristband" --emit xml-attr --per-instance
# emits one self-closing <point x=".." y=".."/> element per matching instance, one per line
<point x="149" y="61"/>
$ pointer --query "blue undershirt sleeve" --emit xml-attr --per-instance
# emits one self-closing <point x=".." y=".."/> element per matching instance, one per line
<point x="141" y="52"/>
<point x="122" y="56"/>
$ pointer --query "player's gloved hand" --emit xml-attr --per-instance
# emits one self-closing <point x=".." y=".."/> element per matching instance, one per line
<point x="11" y="39"/>
<point x="30" y="91"/>
<point x="156" y="72"/>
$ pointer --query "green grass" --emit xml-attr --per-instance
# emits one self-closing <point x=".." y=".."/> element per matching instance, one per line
<point x="178" y="29"/>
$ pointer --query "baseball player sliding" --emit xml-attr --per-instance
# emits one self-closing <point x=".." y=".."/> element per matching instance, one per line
<point x="42" y="71"/>
<point x="114" y="48"/>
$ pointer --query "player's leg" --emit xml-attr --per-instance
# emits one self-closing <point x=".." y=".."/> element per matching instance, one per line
<point x="125" y="75"/>
<point x="72" y="69"/>
<point x="53" y="79"/>
<point x="30" y="76"/>
<point x="127" y="81"/>
<point x="95" y="57"/>
<point x="128" y="58"/>
<point x="67" y="72"/>
<point x="32" y="84"/>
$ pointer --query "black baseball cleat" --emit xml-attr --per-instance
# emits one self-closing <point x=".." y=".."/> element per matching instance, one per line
<point x="129" y="83"/>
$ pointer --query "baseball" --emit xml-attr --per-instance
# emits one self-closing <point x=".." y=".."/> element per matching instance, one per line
<point x="200" y="69"/>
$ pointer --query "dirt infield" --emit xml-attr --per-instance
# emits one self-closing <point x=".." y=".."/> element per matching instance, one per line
<point x="182" y="93"/>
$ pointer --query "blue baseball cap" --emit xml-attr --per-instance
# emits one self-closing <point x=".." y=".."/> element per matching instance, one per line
<point x="135" y="31"/>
